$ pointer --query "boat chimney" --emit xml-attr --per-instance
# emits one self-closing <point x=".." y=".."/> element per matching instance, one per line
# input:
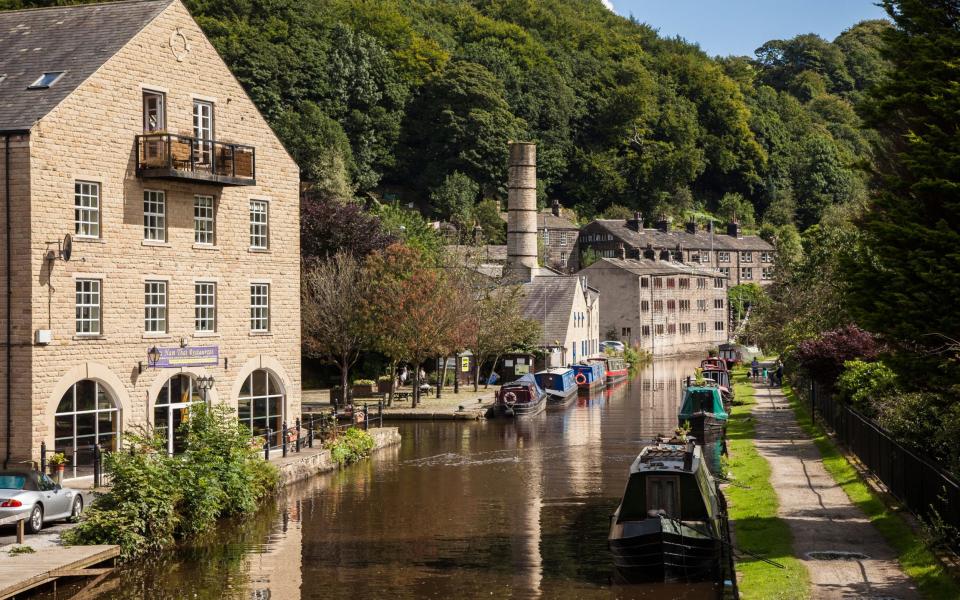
<point x="522" y="211"/>
<point x="688" y="455"/>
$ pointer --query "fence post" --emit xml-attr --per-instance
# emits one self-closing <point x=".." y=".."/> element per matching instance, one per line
<point x="813" y="402"/>
<point x="380" y="415"/>
<point x="310" y="433"/>
<point x="283" y="440"/>
<point x="298" y="435"/>
<point x="97" y="466"/>
<point x="366" y="417"/>
<point x="266" y="446"/>
<point x="43" y="457"/>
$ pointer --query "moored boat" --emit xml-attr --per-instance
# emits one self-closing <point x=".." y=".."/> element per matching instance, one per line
<point x="702" y="409"/>
<point x="520" y="398"/>
<point x="668" y="525"/>
<point x="558" y="384"/>
<point x="714" y="363"/>
<point x="589" y="375"/>
<point x="722" y="379"/>
<point x="614" y="368"/>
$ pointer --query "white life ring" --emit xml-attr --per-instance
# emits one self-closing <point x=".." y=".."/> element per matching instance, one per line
<point x="510" y="398"/>
<point x="581" y="378"/>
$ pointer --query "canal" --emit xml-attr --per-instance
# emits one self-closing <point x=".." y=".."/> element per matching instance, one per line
<point x="491" y="509"/>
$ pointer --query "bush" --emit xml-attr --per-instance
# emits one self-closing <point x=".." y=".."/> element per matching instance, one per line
<point x="156" y="499"/>
<point x="862" y="383"/>
<point x="353" y="445"/>
<point x="364" y="382"/>
<point x="823" y="358"/>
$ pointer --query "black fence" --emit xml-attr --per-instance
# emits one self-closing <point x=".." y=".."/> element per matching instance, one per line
<point x="321" y="426"/>
<point x="924" y="488"/>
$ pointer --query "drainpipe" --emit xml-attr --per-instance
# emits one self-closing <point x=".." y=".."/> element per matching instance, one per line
<point x="9" y="311"/>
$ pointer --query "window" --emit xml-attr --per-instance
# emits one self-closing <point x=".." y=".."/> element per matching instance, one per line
<point x="546" y="236"/>
<point x="260" y="403"/>
<point x="671" y="305"/>
<point x="672" y="328"/>
<point x="718" y="283"/>
<point x="625" y="332"/>
<point x="155" y="306"/>
<point x="259" y="232"/>
<point x="203" y="131"/>
<point x="766" y="257"/>
<point x="701" y="304"/>
<point x="684" y="305"/>
<point x="723" y="257"/>
<point x="172" y="409"/>
<point x="718" y="302"/>
<point x="203" y="220"/>
<point x="644" y="305"/>
<point x="746" y="256"/>
<point x="684" y="328"/>
<point x="671" y="283"/>
<point x="205" y="306"/>
<point x="659" y="329"/>
<point x="259" y="307"/>
<point x="746" y="273"/>
<point x="766" y="273"/>
<point x="154" y="216"/>
<point x="718" y="325"/>
<point x="563" y="238"/>
<point x="645" y="330"/>
<point x="658" y="305"/>
<point x="701" y="283"/>
<point x="88" y="306"/>
<point x="685" y="284"/>
<point x="725" y="271"/>
<point x="658" y="282"/>
<point x="563" y="260"/>
<point x="86" y="209"/>
<point x="644" y="282"/>
<point x="701" y="327"/>
<point x="86" y="416"/>
<point x="46" y="80"/>
<point x="154" y="117"/>
<point x="704" y="256"/>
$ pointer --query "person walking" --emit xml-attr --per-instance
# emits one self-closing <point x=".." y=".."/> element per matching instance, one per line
<point x="755" y="369"/>
<point x="765" y="380"/>
<point x="779" y="373"/>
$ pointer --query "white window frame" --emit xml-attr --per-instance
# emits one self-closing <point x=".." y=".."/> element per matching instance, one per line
<point x="723" y="256"/>
<point x="155" y="301"/>
<point x="203" y="130"/>
<point x="259" y="224"/>
<point x="746" y="256"/>
<point x="154" y="216"/>
<point x="159" y="110"/>
<point x="259" y="307"/>
<point x="766" y="273"/>
<point x="204" y="220"/>
<point x="86" y="209"/>
<point x="205" y="306"/>
<point x="746" y="273"/>
<point x="89" y="302"/>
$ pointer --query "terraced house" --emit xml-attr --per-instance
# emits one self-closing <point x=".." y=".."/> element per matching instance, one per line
<point x="151" y="220"/>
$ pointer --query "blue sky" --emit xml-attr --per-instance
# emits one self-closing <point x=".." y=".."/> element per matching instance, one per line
<point x="741" y="26"/>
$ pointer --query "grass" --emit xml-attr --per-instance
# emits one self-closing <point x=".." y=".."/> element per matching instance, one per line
<point x="753" y="511"/>
<point x="915" y="558"/>
<point x="21" y="550"/>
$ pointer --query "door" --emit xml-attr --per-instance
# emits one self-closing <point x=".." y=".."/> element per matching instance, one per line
<point x="203" y="131"/>
<point x="154" y="119"/>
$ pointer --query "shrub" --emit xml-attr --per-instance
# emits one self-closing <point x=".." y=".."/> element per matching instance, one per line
<point x="364" y="382"/>
<point x="862" y="383"/>
<point x="353" y="445"/>
<point x="823" y="357"/>
<point x="156" y="499"/>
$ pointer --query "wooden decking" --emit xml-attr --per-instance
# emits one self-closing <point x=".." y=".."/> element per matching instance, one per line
<point x="27" y="571"/>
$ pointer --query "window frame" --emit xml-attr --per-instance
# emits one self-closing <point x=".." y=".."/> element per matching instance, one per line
<point x="259" y="312"/>
<point x="211" y="220"/>
<point x="264" y="224"/>
<point x="97" y="307"/>
<point x="200" y="310"/>
<point x="79" y="210"/>
<point x="159" y="218"/>
<point x="156" y="302"/>
<point x="161" y="111"/>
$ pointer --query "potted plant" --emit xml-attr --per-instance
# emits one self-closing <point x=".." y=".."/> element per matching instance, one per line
<point x="362" y="388"/>
<point x="383" y="384"/>
<point x="57" y="462"/>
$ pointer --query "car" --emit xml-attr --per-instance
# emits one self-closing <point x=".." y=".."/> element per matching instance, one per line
<point x="612" y="345"/>
<point x="33" y="494"/>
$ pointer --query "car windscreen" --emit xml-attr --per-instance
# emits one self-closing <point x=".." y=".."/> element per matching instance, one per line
<point x="12" y="481"/>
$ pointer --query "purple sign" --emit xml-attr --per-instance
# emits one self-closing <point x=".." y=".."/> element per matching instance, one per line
<point x="189" y="356"/>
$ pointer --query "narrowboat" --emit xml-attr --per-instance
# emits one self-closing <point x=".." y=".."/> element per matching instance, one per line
<point x="559" y="384"/>
<point x="614" y="368"/>
<point x="714" y="363"/>
<point x="703" y="410"/>
<point x="520" y="398"/>
<point x="722" y="379"/>
<point x="589" y="375"/>
<point x="668" y="526"/>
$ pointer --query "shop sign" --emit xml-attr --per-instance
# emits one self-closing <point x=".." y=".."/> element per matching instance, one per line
<point x="465" y="364"/>
<point x="189" y="356"/>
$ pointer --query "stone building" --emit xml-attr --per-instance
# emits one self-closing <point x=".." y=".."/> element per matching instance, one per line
<point x="121" y="126"/>
<point x="660" y="305"/>
<point x="558" y="240"/>
<point x="740" y="258"/>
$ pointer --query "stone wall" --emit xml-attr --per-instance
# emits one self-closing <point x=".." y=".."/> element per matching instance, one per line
<point x="312" y="461"/>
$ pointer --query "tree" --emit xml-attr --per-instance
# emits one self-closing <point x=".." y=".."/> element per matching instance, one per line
<point x="334" y="296"/>
<point x="499" y="325"/>
<point x="734" y="207"/>
<point x="409" y="227"/>
<point x="330" y="224"/>
<point x="487" y="214"/>
<point x="453" y="199"/>
<point x="320" y="147"/>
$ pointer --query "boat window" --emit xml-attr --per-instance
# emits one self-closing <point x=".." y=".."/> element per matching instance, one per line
<point x="663" y="496"/>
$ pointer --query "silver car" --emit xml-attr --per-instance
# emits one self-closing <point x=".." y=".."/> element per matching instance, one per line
<point x="36" y="496"/>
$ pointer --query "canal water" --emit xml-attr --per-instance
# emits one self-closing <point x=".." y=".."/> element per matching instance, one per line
<point x="487" y="509"/>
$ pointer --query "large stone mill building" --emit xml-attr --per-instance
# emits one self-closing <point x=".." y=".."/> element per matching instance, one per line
<point x="121" y="127"/>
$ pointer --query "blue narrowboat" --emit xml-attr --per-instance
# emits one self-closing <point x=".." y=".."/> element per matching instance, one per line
<point x="520" y="398"/>
<point x="560" y="384"/>
<point x="703" y="409"/>
<point x="589" y="375"/>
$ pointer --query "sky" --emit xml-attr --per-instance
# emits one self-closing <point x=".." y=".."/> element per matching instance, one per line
<point x="724" y="27"/>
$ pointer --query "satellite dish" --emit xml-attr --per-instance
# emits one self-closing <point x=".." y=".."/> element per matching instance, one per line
<point x="67" y="248"/>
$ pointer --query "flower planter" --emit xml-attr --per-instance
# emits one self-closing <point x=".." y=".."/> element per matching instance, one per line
<point x="57" y="472"/>
<point x="361" y="390"/>
<point x="383" y="387"/>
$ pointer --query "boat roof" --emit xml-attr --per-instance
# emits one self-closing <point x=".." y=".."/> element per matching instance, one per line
<point x="556" y="371"/>
<point x="524" y="380"/>
<point x="665" y="457"/>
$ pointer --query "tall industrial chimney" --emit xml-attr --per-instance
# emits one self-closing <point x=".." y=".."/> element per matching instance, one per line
<point x="522" y="212"/>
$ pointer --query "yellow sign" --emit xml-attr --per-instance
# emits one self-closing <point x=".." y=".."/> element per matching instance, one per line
<point x="465" y="364"/>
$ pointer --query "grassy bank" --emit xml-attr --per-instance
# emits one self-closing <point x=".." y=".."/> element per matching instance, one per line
<point x="917" y="561"/>
<point x="753" y="511"/>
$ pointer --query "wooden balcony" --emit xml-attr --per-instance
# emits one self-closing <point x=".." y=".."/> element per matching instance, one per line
<point x="170" y="156"/>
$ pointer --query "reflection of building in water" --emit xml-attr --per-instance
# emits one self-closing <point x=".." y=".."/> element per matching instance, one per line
<point x="527" y="561"/>
<point x="583" y="452"/>
<point x="659" y="387"/>
<point x="275" y="573"/>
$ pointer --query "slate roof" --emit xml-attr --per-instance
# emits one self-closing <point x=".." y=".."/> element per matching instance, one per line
<point x="546" y="219"/>
<point x="73" y="39"/>
<point x="644" y="266"/>
<point x="690" y="241"/>
<point x="549" y="301"/>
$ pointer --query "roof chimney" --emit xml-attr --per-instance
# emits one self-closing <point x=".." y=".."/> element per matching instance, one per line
<point x="649" y="252"/>
<point x="556" y="208"/>
<point x="621" y="252"/>
<point x="663" y="224"/>
<point x="692" y="225"/>
<point x="636" y="223"/>
<point x="733" y="229"/>
<point x="665" y="254"/>
<point x="678" y="253"/>
<point x="522" y="211"/>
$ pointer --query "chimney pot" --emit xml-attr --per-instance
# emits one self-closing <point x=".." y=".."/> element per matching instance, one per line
<point x="621" y="252"/>
<point x="663" y="224"/>
<point x="692" y="226"/>
<point x="636" y="223"/>
<point x="556" y="208"/>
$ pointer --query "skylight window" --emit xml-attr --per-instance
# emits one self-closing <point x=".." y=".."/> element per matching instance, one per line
<point x="46" y="80"/>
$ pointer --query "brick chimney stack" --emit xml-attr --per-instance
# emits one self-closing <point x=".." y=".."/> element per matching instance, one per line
<point x="733" y="229"/>
<point x="692" y="225"/>
<point x="556" y="208"/>
<point x="636" y="223"/>
<point x="522" y="211"/>
<point x="663" y="224"/>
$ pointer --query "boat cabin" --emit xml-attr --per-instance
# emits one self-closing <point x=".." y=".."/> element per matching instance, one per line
<point x="557" y="380"/>
<point x="719" y="376"/>
<point x="522" y="391"/>
<point x="669" y="480"/>
<point x="589" y="374"/>
<point x="702" y="399"/>
<point x="715" y="364"/>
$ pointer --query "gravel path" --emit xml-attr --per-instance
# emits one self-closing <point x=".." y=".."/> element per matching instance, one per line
<point x="819" y="513"/>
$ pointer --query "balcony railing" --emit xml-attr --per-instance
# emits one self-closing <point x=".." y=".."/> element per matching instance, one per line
<point x="171" y="156"/>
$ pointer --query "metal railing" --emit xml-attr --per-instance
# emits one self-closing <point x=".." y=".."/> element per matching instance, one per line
<point x="323" y="426"/>
<point x="923" y="487"/>
<point x="159" y="153"/>
<point x="78" y="470"/>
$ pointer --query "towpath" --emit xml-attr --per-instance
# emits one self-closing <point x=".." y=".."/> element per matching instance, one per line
<point x="820" y="515"/>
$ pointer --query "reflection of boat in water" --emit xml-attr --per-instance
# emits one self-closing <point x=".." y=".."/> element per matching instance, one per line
<point x="668" y="524"/>
<point x="558" y="384"/>
<point x="590" y="375"/>
<point x="702" y="409"/>
<point x="519" y="398"/>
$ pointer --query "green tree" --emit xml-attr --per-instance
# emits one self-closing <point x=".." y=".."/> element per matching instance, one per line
<point x="487" y="214"/>
<point x="454" y="199"/>
<point x="733" y="206"/>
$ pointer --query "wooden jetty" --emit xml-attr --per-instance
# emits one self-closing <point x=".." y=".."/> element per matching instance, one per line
<point x="24" y="572"/>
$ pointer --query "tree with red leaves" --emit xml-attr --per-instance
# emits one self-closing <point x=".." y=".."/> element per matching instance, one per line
<point x="329" y="224"/>
<point x="822" y="358"/>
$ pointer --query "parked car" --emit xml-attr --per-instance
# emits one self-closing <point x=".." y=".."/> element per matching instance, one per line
<point x="612" y="345"/>
<point x="34" y="495"/>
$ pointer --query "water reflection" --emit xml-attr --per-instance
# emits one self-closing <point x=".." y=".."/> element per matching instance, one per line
<point x="460" y="510"/>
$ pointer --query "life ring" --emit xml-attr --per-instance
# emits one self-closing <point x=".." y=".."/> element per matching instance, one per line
<point x="580" y="378"/>
<point x="510" y="398"/>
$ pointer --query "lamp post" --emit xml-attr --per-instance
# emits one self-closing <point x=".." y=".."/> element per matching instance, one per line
<point x="153" y="356"/>
<point x="205" y="382"/>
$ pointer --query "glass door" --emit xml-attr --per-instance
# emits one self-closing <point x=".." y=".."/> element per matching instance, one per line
<point x="203" y="132"/>
<point x="178" y="396"/>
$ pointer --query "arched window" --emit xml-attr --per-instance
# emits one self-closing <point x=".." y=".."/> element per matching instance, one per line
<point x="86" y="415"/>
<point x="172" y="409"/>
<point x="260" y="404"/>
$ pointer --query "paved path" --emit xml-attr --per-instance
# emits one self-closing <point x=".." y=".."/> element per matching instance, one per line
<point x="819" y="513"/>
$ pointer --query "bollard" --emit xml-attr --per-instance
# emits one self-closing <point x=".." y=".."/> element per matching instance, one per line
<point x="297" y="447"/>
<point x="266" y="446"/>
<point x="43" y="457"/>
<point x="97" y="466"/>
<point x="283" y="440"/>
<point x="310" y="433"/>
